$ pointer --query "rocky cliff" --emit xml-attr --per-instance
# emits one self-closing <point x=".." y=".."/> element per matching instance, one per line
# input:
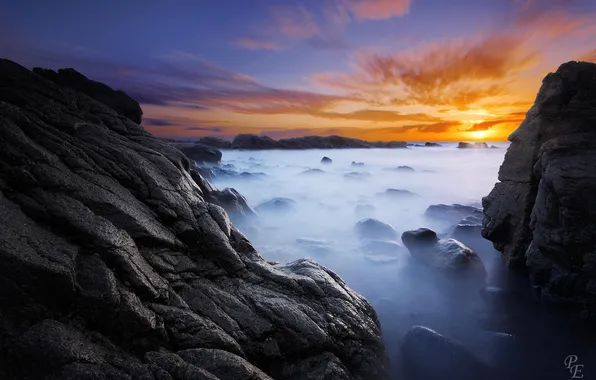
<point x="542" y="213"/>
<point x="114" y="265"/>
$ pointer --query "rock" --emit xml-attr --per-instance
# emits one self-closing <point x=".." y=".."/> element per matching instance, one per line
<point x="276" y="205"/>
<point x="541" y="214"/>
<point x="404" y="169"/>
<point x="312" y="171"/>
<point x="215" y="142"/>
<point x="494" y="147"/>
<point x="118" y="100"/>
<point x="428" y="355"/>
<point x="254" y="142"/>
<point x="374" y="229"/>
<point x="201" y="153"/>
<point x="450" y="214"/>
<point x="447" y="256"/>
<point x="326" y="160"/>
<point x="354" y="163"/>
<point x="398" y="194"/>
<point x="476" y="145"/>
<point x="116" y="266"/>
<point x="364" y="210"/>
<point x="335" y="142"/>
<point x="357" y="175"/>
<point x="432" y="144"/>
<point x="233" y="203"/>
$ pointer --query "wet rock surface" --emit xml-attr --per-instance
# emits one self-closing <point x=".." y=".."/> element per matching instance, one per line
<point x="115" y="265"/>
<point x="541" y="213"/>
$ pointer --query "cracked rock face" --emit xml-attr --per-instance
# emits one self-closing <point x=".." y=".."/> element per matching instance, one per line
<point x="541" y="215"/>
<point x="114" y="265"/>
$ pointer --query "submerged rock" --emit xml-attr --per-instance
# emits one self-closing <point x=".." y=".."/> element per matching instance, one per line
<point x="115" y="266"/>
<point x="450" y="214"/>
<point x="354" y="163"/>
<point x="364" y="210"/>
<point x="428" y="355"/>
<point x="476" y="145"/>
<point x="447" y="256"/>
<point x="398" y="194"/>
<point x="326" y="160"/>
<point x="379" y="251"/>
<point x="357" y="175"/>
<point x="541" y="214"/>
<point x="312" y="171"/>
<point x="276" y="205"/>
<point x="404" y="169"/>
<point x="432" y="144"/>
<point x="374" y="229"/>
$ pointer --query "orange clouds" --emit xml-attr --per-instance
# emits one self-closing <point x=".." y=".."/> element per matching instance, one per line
<point x="374" y="9"/>
<point x="253" y="44"/>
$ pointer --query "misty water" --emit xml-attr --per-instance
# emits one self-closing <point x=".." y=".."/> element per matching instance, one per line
<point x="320" y="225"/>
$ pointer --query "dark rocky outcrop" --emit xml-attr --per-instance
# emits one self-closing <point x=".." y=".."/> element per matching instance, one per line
<point x="428" y="355"/>
<point x="446" y="256"/>
<point x="117" y="100"/>
<point x="254" y="142"/>
<point x="215" y="142"/>
<point x="374" y="229"/>
<point x="432" y="144"/>
<point x="476" y="145"/>
<point x="200" y="153"/>
<point x="542" y="213"/>
<point x="326" y="160"/>
<point x="114" y="266"/>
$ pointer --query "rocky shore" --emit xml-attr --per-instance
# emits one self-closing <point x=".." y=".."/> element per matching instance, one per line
<point x="115" y="265"/>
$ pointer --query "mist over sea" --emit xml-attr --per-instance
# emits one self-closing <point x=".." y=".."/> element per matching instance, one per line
<point x="332" y="198"/>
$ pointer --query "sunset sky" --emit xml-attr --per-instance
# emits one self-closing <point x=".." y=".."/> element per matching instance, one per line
<point x="415" y="70"/>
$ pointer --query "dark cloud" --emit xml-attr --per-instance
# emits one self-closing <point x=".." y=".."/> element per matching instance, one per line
<point x="206" y="129"/>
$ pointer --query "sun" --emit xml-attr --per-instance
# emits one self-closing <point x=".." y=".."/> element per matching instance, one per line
<point x="478" y="135"/>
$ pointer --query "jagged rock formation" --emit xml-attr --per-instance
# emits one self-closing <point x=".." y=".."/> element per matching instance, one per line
<point x="541" y="215"/>
<point x="215" y="142"/>
<point x="254" y="142"/>
<point x="118" y="100"/>
<point x="114" y="265"/>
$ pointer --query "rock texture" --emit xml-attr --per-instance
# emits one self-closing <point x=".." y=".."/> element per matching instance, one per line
<point x="476" y="145"/>
<point x="118" y="100"/>
<point x="114" y="265"/>
<point x="446" y="256"/>
<point x="542" y="213"/>
<point x="255" y="142"/>
<point x="428" y="355"/>
<point x="200" y="153"/>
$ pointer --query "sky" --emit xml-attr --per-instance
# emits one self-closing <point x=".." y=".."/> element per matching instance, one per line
<point x="407" y="70"/>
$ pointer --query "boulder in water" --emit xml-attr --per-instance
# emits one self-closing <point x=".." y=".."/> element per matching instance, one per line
<point x="374" y="229"/>
<point x="312" y="171"/>
<point x="276" y="205"/>
<point x="364" y="210"/>
<point x="357" y="175"/>
<point x="354" y="163"/>
<point x="326" y="160"/>
<point x="428" y="355"/>
<point x="399" y="194"/>
<point x="201" y="153"/>
<point x="446" y="256"/>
